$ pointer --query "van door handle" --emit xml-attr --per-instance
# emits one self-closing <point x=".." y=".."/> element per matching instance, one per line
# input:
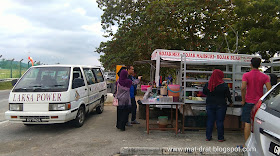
<point x="85" y="89"/>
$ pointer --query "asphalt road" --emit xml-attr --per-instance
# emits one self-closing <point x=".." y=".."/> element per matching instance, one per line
<point x="97" y="137"/>
<point x="57" y="139"/>
<point x="4" y="104"/>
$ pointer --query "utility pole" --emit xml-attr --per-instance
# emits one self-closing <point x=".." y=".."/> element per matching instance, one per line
<point x="20" y="67"/>
<point x="0" y="62"/>
<point x="12" y="67"/>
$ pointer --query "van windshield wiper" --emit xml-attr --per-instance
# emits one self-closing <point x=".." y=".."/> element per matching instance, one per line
<point x="36" y="86"/>
<point x="58" y="85"/>
<point x="39" y="89"/>
<point x="20" y="89"/>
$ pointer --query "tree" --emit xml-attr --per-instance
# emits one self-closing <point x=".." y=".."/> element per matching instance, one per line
<point x="145" y="25"/>
<point x="239" y="26"/>
<point x="258" y="24"/>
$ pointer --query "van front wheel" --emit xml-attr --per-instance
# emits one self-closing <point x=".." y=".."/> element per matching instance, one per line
<point x="80" y="118"/>
<point x="100" y="108"/>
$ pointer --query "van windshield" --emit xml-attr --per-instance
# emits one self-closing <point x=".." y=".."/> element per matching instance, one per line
<point x="44" y="79"/>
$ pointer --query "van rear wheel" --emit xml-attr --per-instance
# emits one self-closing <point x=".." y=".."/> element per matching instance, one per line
<point x="80" y="118"/>
<point x="100" y="108"/>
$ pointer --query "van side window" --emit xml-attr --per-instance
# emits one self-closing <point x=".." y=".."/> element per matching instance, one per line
<point x="98" y="74"/>
<point x="89" y="76"/>
<point x="77" y="77"/>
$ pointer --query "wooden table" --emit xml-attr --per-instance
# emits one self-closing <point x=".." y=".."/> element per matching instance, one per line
<point x="148" y="103"/>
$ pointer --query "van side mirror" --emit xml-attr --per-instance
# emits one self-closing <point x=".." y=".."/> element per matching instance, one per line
<point x="78" y="82"/>
<point x="14" y="82"/>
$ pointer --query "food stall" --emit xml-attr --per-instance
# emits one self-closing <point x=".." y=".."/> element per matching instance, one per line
<point x="194" y="69"/>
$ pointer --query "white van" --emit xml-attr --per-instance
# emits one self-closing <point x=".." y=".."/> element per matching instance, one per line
<point x="110" y="75"/>
<point x="57" y="94"/>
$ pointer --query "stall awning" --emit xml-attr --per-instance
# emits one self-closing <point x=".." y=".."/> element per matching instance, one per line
<point x="163" y="63"/>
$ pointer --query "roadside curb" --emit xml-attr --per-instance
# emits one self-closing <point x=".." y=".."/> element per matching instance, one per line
<point x="138" y="151"/>
<point x="3" y="121"/>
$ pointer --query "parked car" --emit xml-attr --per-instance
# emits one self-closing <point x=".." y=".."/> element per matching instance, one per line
<point x="265" y="127"/>
<point x="110" y="75"/>
<point x="57" y="94"/>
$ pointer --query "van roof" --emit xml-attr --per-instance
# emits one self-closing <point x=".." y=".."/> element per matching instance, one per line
<point x="61" y="65"/>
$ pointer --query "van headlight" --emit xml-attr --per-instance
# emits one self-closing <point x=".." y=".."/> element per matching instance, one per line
<point x="16" y="106"/>
<point x="59" y="106"/>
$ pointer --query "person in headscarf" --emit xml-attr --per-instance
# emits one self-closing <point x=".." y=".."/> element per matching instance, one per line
<point x="217" y="92"/>
<point x="123" y="96"/>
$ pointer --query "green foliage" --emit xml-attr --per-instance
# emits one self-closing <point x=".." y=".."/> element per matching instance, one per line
<point x="6" y="85"/>
<point x="6" y="64"/>
<point x="147" y="25"/>
<point x="203" y="25"/>
<point x="258" y="25"/>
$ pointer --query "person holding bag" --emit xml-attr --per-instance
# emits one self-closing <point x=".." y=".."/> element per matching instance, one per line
<point x="217" y="92"/>
<point x="115" y="100"/>
<point x="124" y="101"/>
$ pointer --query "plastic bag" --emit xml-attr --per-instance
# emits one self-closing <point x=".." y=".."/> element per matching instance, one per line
<point x="115" y="102"/>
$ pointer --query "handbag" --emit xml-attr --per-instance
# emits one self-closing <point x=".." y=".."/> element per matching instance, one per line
<point x="116" y="100"/>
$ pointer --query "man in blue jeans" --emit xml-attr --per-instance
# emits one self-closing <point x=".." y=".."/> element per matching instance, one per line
<point x="135" y="81"/>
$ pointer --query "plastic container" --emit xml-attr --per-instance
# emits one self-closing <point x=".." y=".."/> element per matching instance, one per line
<point x="162" y="121"/>
<point x="188" y="93"/>
<point x="175" y="99"/>
<point x="166" y="99"/>
<point x="163" y="91"/>
<point x="173" y="90"/>
<point x="144" y="87"/>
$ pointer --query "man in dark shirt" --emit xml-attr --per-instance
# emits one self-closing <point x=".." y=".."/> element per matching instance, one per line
<point x="133" y="88"/>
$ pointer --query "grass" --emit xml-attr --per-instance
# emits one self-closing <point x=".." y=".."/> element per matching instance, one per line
<point x="5" y="85"/>
<point x="6" y="73"/>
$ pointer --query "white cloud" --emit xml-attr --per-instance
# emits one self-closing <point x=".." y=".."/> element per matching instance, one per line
<point x="80" y="11"/>
<point x="13" y="23"/>
<point x="51" y="31"/>
<point x="94" y="28"/>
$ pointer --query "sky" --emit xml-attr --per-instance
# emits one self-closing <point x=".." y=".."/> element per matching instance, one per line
<point x="51" y="31"/>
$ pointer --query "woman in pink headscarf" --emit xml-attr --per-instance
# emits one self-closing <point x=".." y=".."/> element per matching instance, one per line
<point x="218" y="93"/>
